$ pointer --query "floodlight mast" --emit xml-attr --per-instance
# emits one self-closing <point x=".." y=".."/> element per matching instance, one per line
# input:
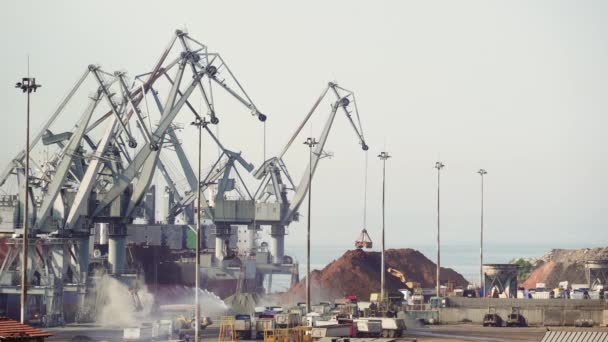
<point x="27" y="85"/>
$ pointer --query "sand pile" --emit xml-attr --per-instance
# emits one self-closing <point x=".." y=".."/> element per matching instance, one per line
<point x="358" y="272"/>
<point x="563" y="265"/>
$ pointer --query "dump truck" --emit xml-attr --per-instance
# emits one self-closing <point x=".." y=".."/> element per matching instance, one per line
<point x="287" y="320"/>
<point x="263" y="324"/>
<point x="242" y="326"/>
<point x="368" y="328"/>
<point x="391" y="327"/>
<point x="335" y="330"/>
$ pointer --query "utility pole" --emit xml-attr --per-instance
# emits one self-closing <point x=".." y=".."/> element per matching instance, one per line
<point x="199" y="124"/>
<point x="311" y="142"/>
<point x="383" y="156"/>
<point x="481" y="172"/>
<point x="27" y="85"/>
<point x="438" y="165"/>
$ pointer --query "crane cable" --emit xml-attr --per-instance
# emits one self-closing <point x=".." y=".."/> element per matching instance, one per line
<point x="365" y="193"/>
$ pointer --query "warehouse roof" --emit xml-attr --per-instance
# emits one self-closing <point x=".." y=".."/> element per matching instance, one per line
<point x="11" y="329"/>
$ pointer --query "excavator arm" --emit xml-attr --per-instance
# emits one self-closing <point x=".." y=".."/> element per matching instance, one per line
<point x="397" y="274"/>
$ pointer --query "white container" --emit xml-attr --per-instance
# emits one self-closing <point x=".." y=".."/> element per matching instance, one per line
<point x="325" y="323"/>
<point x="389" y="323"/>
<point x="163" y="328"/>
<point x="541" y="295"/>
<point x="137" y="334"/>
<point x="287" y="320"/>
<point x="369" y="327"/>
<point x="341" y="330"/>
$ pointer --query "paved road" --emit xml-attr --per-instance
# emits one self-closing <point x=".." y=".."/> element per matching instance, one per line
<point x="94" y="333"/>
<point x="442" y="333"/>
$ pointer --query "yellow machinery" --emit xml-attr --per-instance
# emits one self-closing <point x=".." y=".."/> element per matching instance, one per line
<point x="183" y="322"/>
<point x="399" y="275"/>
<point x="297" y="334"/>
<point x="227" y="332"/>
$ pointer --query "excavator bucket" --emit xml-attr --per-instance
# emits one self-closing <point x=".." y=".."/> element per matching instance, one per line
<point x="364" y="241"/>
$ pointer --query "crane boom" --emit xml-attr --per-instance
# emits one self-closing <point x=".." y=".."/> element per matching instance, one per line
<point x="127" y="176"/>
<point x="64" y="165"/>
<point x="342" y="101"/>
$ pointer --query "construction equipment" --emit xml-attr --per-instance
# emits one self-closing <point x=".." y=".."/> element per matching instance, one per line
<point x="262" y="325"/>
<point x="364" y="241"/>
<point x="102" y="168"/>
<point x="410" y="285"/>
<point x="242" y="327"/>
<point x="182" y="322"/>
<point x="368" y="328"/>
<point x="515" y="318"/>
<point x="391" y="327"/>
<point x="99" y="170"/>
<point x="288" y="320"/>
<point x="492" y="319"/>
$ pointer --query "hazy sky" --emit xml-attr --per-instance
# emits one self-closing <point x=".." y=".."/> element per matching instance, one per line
<point x="515" y="87"/>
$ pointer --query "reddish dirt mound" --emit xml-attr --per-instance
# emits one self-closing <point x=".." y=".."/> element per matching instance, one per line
<point x="539" y="275"/>
<point x="358" y="272"/>
<point x="563" y="265"/>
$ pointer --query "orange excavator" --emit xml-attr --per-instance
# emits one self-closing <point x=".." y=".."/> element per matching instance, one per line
<point x="399" y="275"/>
<point x="364" y="241"/>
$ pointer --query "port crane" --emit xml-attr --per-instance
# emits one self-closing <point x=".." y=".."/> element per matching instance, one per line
<point x="274" y="206"/>
<point x="100" y="171"/>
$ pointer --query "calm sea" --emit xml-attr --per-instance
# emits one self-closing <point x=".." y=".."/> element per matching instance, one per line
<point x="464" y="258"/>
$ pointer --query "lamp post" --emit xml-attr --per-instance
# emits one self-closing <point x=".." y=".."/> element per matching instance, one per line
<point x="438" y="165"/>
<point x="311" y="142"/>
<point x="199" y="124"/>
<point x="481" y="172"/>
<point x="383" y="156"/>
<point x="27" y="85"/>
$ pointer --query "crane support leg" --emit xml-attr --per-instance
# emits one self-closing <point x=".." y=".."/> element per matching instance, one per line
<point x="222" y="235"/>
<point x="277" y="243"/>
<point x="116" y="247"/>
<point x="83" y="268"/>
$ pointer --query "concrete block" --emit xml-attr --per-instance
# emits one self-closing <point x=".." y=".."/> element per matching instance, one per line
<point x="570" y="316"/>
<point x="553" y="317"/>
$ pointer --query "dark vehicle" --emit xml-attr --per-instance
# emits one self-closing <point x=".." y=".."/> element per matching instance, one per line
<point x="491" y="319"/>
<point x="469" y="293"/>
<point x="515" y="319"/>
